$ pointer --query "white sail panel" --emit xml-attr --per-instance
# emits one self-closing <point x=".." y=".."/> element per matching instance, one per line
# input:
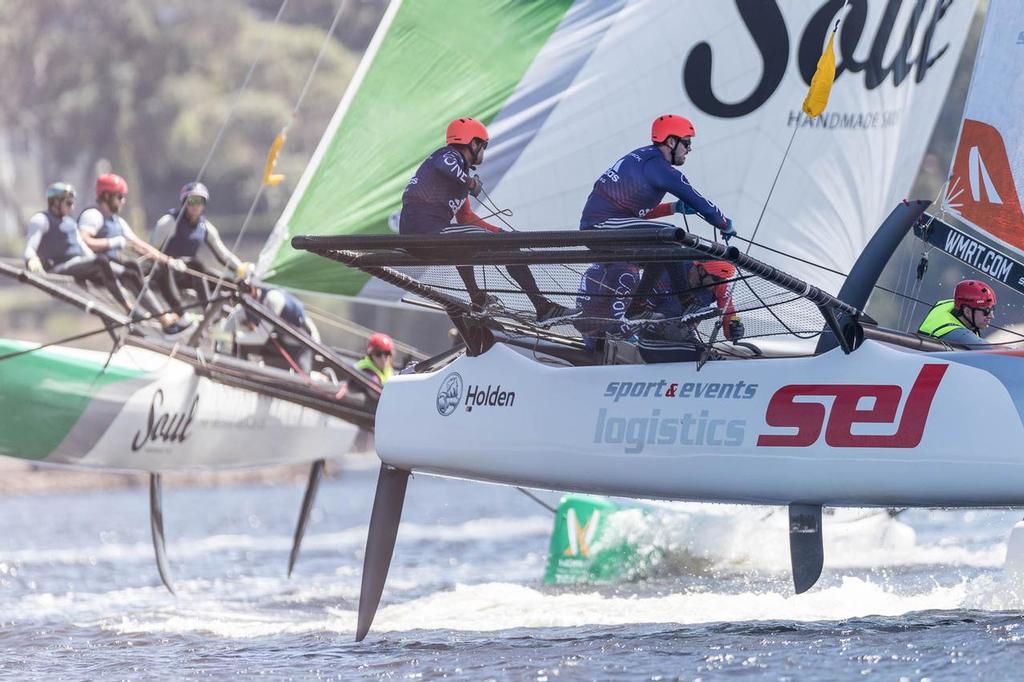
<point x="845" y="171"/>
<point x="987" y="176"/>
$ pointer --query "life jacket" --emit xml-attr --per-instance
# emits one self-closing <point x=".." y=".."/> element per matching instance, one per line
<point x="60" y="242"/>
<point x="940" y="321"/>
<point x="112" y="227"/>
<point x="367" y="367"/>
<point x="186" y="239"/>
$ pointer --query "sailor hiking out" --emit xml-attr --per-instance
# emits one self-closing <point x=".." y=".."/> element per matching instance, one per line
<point x="376" y="364"/>
<point x="180" y="234"/>
<point x="962" y="318"/>
<point x="108" y="235"/>
<point x="436" y="201"/>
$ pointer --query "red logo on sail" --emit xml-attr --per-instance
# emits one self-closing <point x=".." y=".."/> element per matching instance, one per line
<point x="789" y="408"/>
<point x="982" y="189"/>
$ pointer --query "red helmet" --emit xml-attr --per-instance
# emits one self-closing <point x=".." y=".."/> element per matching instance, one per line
<point x="465" y="130"/>
<point x="671" y="125"/>
<point x="973" y="294"/>
<point x="719" y="268"/>
<point x="111" y="182"/>
<point x="380" y="342"/>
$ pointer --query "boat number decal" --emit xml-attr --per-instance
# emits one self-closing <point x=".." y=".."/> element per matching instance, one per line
<point x="163" y="426"/>
<point x="808" y="418"/>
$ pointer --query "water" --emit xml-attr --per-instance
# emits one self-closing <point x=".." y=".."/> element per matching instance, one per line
<point x="81" y="598"/>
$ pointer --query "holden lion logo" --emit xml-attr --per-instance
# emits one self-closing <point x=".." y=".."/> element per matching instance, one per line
<point x="450" y="394"/>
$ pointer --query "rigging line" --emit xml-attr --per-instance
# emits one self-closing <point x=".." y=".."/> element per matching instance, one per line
<point x="357" y="329"/>
<point x="216" y="141"/>
<point x="792" y="137"/>
<point x="537" y="500"/>
<point x="238" y="95"/>
<point x="295" y="112"/>
<point x="76" y="337"/>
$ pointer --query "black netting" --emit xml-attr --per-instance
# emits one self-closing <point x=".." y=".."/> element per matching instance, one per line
<point x="662" y="289"/>
<point x="601" y="300"/>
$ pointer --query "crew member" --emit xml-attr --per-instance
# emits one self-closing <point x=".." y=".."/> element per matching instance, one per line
<point x="376" y="364"/>
<point x="107" y="235"/>
<point x="662" y="332"/>
<point x="436" y="201"/>
<point x="278" y="347"/>
<point x="180" y="233"/>
<point x="962" y="318"/>
<point x="632" y="189"/>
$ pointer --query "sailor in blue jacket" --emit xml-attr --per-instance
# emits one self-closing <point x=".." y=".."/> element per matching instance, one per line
<point x="632" y="189"/>
<point x="436" y="201"/>
<point x="635" y="185"/>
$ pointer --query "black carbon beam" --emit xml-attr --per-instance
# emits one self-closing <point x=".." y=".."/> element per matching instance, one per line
<point x="806" y="551"/>
<point x="315" y="474"/>
<point x="380" y="542"/>
<point x="156" y="524"/>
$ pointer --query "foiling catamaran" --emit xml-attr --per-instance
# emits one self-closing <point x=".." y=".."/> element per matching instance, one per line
<point x="819" y="405"/>
<point x="157" y="406"/>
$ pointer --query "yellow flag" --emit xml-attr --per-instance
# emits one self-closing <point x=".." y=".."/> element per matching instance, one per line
<point x="269" y="177"/>
<point x="821" y="83"/>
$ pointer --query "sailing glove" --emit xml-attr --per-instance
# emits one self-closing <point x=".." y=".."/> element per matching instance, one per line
<point x="736" y="329"/>
<point x="177" y="264"/>
<point x="116" y="243"/>
<point x="35" y="265"/>
<point x="476" y="185"/>
<point x="683" y="207"/>
<point x="728" y="231"/>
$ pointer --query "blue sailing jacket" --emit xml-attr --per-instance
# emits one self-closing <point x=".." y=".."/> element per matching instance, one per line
<point x="436" y="193"/>
<point x="636" y="184"/>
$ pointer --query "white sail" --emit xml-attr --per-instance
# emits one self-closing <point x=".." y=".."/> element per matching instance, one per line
<point x="567" y="88"/>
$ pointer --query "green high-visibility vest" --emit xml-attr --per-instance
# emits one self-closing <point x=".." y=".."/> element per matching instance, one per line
<point x="941" y="320"/>
<point x="367" y="364"/>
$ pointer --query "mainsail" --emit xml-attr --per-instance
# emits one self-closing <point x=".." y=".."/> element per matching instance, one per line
<point x="566" y="88"/>
<point x="987" y="176"/>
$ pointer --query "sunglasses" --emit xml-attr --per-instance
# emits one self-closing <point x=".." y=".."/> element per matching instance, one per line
<point x="986" y="311"/>
<point x="195" y="201"/>
<point x="68" y="202"/>
<point x="482" y="143"/>
<point x="381" y="353"/>
<point x="122" y="197"/>
<point x="686" y="142"/>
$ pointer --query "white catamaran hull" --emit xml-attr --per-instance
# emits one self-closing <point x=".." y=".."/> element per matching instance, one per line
<point x="151" y="413"/>
<point x="881" y="426"/>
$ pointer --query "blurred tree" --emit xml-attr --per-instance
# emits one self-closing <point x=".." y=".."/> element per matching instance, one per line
<point x="148" y="84"/>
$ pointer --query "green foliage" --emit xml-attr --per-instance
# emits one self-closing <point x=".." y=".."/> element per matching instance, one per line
<point x="148" y="84"/>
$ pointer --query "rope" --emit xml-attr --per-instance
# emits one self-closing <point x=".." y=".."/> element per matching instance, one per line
<point x="792" y="137"/>
<point x="76" y="337"/>
<point x="284" y="132"/>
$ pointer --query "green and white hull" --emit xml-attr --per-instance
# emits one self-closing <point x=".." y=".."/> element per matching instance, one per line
<point x="146" y="411"/>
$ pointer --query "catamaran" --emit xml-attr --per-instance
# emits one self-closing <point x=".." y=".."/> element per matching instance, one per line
<point x="819" y="405"/>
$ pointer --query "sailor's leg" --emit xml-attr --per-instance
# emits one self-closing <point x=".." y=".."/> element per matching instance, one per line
<point x="476" y="296"/>
<point x="96" y="269"/>
<point x="469" y="279"/>
<point x="198" y="283"/>
<point x="168" y="287"/>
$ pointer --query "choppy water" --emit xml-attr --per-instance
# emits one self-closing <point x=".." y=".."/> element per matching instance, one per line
<point x="80" y="597"/>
